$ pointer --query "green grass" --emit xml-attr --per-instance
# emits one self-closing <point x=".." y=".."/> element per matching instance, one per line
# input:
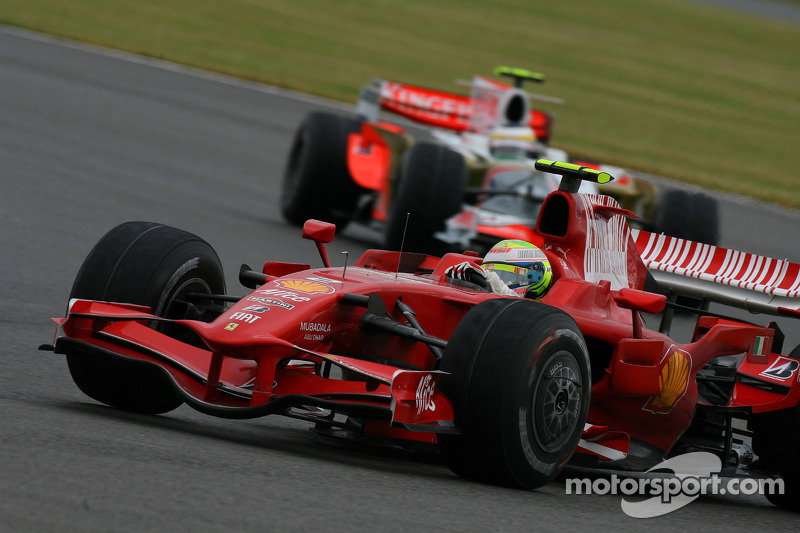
<point x="696" y="93"/>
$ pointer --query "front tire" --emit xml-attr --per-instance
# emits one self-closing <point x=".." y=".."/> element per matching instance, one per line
<point x="156" y="266"/>
<point x="520" y="386"/>
<point x="316" y="181"/>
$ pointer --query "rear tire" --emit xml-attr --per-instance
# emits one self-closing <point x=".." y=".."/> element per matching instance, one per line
<point x="316" y="181"/>
<point x="520" y="385"/>
<point x="776" y="439"/>
<point x="687" y="215"/>
<point x="704" y="226"/>
<point x="431" y="189"/>
<point x="156" y="266"/>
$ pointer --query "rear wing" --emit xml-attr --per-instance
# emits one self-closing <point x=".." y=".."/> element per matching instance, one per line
<point x="747" y="281"/>
<point x="486" y="107"/>
<point x="427" y="106"/>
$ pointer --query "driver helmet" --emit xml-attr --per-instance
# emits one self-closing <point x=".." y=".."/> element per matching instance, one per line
<point x="512" y="142"/>
<point x="523" y="267"/>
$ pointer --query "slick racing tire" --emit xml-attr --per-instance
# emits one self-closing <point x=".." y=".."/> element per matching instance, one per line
<point x="519" y="379"/>
<point x="688" y="215"/>
<point x="776" y="439"/>
<point x="156" y="266"/>
<point x="316" y="181"/>
<point x="431" y="190"/>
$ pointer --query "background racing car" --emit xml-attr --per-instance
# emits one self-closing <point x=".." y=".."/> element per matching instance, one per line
<point x="391" y="348"/>
<point x="472" y="184"/>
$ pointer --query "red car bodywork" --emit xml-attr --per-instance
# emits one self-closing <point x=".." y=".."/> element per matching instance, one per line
<point x="644" y="383"/>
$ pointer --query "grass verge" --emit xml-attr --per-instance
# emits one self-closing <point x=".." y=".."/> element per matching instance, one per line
<point x="696" y="93"/>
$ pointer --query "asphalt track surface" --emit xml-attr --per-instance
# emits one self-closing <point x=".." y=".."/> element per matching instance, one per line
<point x="90" y="139"/>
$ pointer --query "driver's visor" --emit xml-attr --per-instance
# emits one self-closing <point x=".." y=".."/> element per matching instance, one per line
<point x="514" y="276"/>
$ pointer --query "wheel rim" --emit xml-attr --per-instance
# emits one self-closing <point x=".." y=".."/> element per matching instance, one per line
<point x="178" y="306"/>
<point x="556" y="402"/>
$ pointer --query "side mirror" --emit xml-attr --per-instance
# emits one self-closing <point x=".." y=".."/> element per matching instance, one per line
<point x="320" y="232"/>
<point x="647" y="302"/>
<point x="636" y="300"/>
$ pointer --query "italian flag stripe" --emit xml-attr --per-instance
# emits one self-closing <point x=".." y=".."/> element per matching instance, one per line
<point x="758" y="348"/>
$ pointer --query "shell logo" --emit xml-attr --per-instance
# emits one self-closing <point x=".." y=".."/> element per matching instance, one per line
<point x="306" y="286"/>
<point x="673" y="380"/>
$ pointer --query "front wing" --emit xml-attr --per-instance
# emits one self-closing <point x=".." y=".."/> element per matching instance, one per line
<point x="267" y="376"/>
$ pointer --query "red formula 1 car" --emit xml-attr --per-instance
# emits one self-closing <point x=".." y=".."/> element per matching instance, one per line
<point x="470" y="186"/>
<point x="391" y="347"/>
